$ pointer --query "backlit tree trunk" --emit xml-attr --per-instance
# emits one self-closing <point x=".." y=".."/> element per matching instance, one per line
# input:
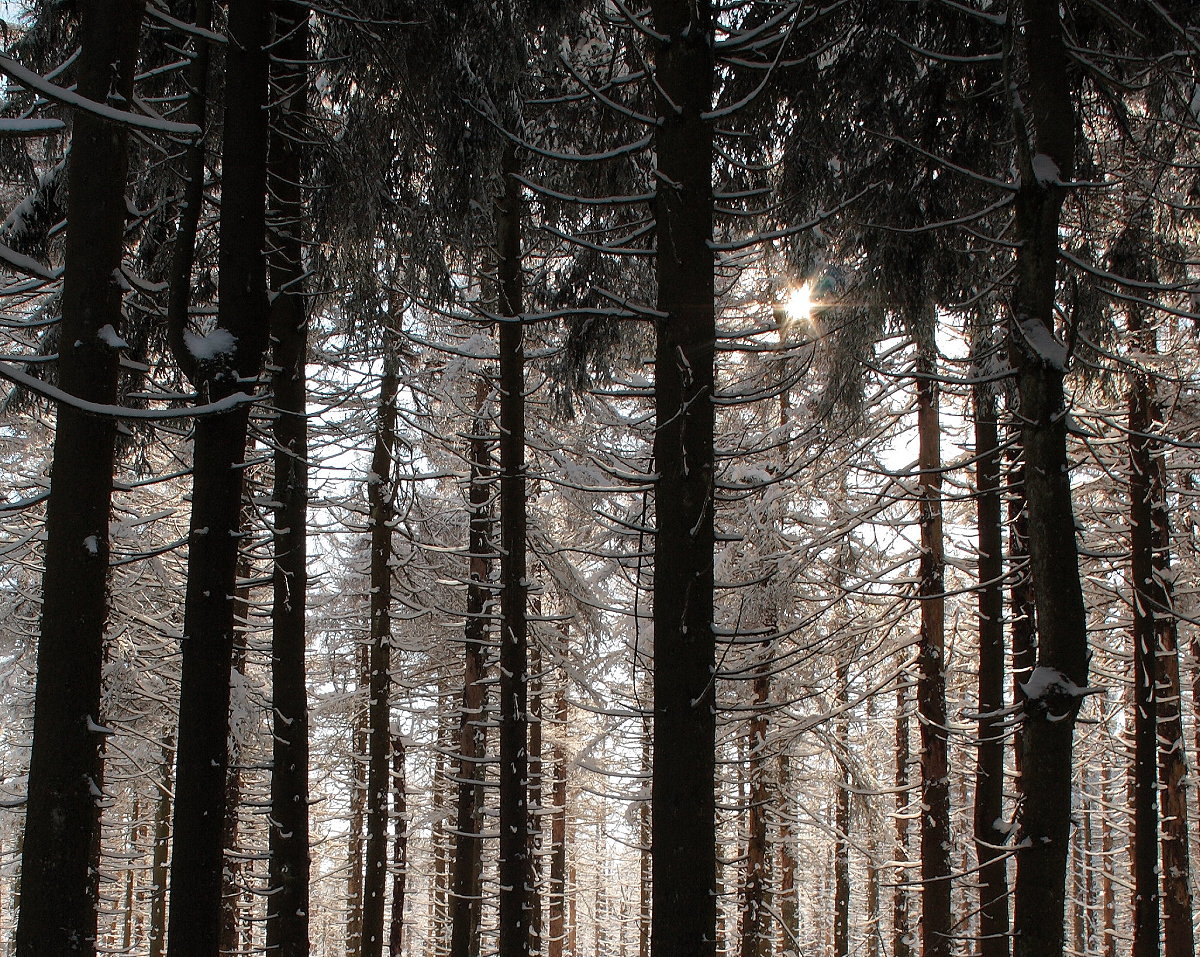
<point x="218" y="462"/>
<point x="990" y="832"/>
<point x="59" y="862"/>
<point x="1046" y="130"/>
<point x="684" y="817"/>
<point x="287" y="903"/>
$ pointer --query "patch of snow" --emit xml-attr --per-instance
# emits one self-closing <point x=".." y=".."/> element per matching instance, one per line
<point x="1042" y="343"/>
<point x="218" y="342"/>
<point x="92" y="544"/>
<point x="108" y="335"/>
<point x="1045" y="170"/>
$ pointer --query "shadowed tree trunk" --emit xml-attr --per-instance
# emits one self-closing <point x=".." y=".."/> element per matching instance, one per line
<point x="465" y="886"/>
<point x="990" y="833"/>
<point x="1045" y="133"/>
<point x="59" y="862"/>
<point x="515" y="872"/>
<point x="756" y="919"/>
<point x="465" y="890"/>
<point x="902" y="938"/>
<point x="931" y="682"/>
<point x="287" y="903"/>
<point x="683" y="808"/>
<point x="220" y="364"/>
<point x="358" y="804"/>
<point x="399" y="846"/>
<point x="381" y="499"/>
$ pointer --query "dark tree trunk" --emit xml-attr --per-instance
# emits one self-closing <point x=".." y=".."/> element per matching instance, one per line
<point x="556" y="887"/>
<point x="841" y="823"/>
<point x="358" y="803"/>
<point x="381" y="499"/>
<point x="287" y="903"/>
<point x="902" y="942"/>
<point x="465" y="885"/>
<point x="157" y="935"/>
<point x="756" y="918"/>
<point x="59" y="863"/>
<point x="535" y="792"/>
<point x="1148" y="602"/>
<point x="183" y="252"/>
<point x="1053" y="700"/>
<point x="683" y="802"/>
<point x="789" y="905"/>
<point x="1023" y="622"/>
<point x="990" y="834"/>
<point x="515" y="873"/>
<point x="231" y="873"/>
<point x="931" y="681"/>
<point x="218" y="457"/>
<point x="399" y="846"/>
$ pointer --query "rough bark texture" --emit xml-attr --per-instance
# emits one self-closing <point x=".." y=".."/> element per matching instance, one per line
<point x="515" y="873"/>
<point x="287" y="904"/>
<point x="219" y="450"/>
<point x="989" y="769"/>
<point x="1148" y="602"/>
<point x="902" y="938"/>
<point x="931" y="681"/>
<point x="684" y="822"/>
<point x="1046" y="130"/>
<point x="381" y="499"/>
<point x="59" y="862"/>
<point x="465" y="885"/>
<point x="756" y="918"/>
<point x="399" y="847"/>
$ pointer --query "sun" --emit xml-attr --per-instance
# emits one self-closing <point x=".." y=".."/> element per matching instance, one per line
<point x="800" y="307"/>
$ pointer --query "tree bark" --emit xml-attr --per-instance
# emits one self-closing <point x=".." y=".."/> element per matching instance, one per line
<point x="990" y="833"/>
<point x="1148" y="600"/>
<point x="287" y="903"/>
<point x="60" y="857"/>
<point x="1053" y="689"/>
<point x="218" y="457"/>
<point x="515" y="873"/>
<point x="684" y="819"/>
<point x="902" y="937"/>
<point x="931" y="682"/>
<point x="465" y="888"/>
<point x="399" y="846"/>
<point x="756" y="926"/>
<point x="381" y="499"/>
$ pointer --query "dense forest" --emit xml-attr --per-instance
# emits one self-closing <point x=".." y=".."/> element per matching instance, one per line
<point x="613" y="478"/>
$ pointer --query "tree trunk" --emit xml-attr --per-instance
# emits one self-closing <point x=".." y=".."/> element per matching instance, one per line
<point x="1053" y="689"/>
<point x="381" y="498"/>
<point x="465" y="888"/>
<point x="535" y="793"/>
<point x="1148" y="601"/>
<point x="787" y="896"/>
<point x="358" y="803"/>
<point x="60" y="858"/>
<point x="990" y="833"/>
<point x="515" y="874"/>
<point x="399" y="846"/>
<point x="231" y="872"/>
<point x="287" y="903"/>
<point x="756" y="925"/>
<point x="902" y="938"/>
<point x="557" y="885"/>
<point x="931" y="682"/>
<point x="218" y="457"/>
<point x="158" y="860"/>
<point x="683" y="808"/>
<point x="841" y="821"/>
